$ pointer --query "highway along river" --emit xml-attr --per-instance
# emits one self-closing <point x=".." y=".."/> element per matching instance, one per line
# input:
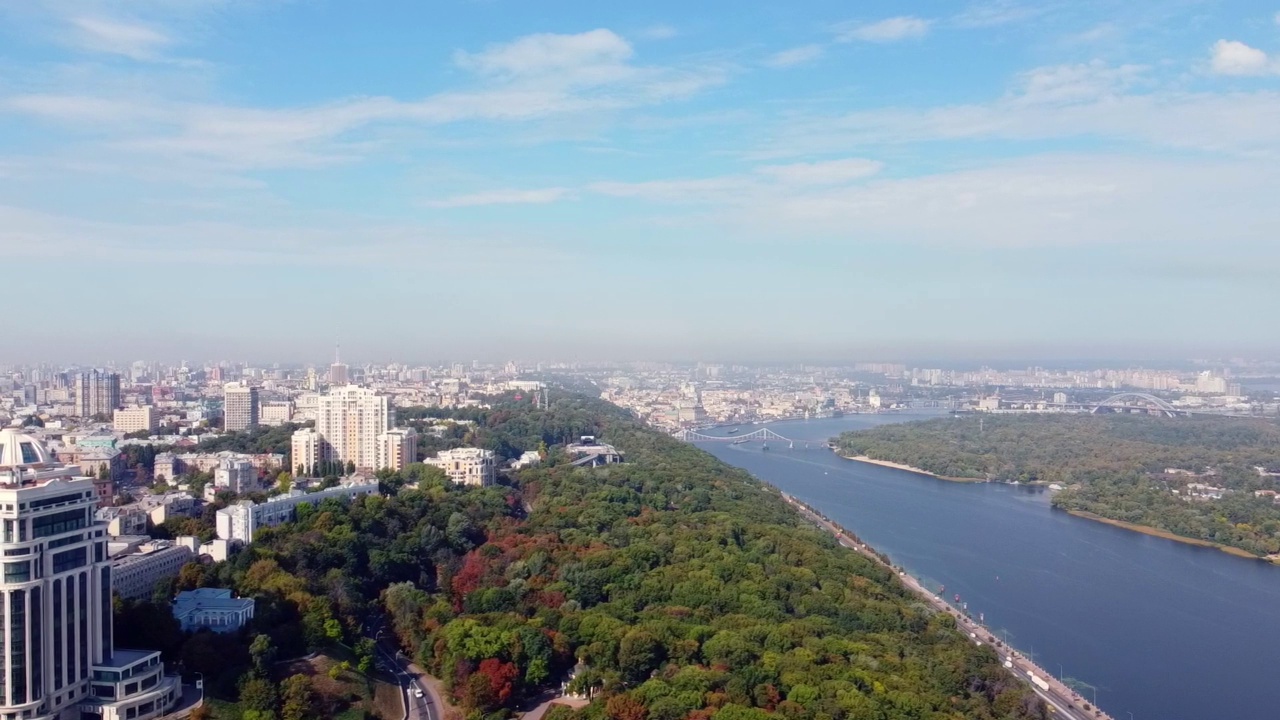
<point x="1159" y="629"/>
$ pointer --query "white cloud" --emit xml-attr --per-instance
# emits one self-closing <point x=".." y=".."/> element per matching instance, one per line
<point x="889" y="30"/>
<point x="132" y="40"/>
<point x="1231" y="57"/>
<point x="794" y="56"/>
<point x="502" y="197"/>
<point x="546" y="53"/>
<point x="832" y="172"/>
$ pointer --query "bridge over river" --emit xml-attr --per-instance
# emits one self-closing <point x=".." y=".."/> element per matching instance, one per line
<point x="763" y="435"/>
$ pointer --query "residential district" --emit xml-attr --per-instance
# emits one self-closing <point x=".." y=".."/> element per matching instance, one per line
<point x="80" y="514"/>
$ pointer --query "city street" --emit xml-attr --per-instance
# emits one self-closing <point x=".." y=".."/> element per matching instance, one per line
<point x="419" y="697"/>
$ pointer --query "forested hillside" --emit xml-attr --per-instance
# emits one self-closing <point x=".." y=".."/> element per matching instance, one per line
<point x="1113" y="466"/>
<point x="681" y="588"/>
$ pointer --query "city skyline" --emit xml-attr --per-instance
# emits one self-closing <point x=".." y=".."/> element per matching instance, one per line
<point x="489" y="179"/>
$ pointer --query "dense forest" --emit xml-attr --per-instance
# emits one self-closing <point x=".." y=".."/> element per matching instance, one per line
<point x="1113" y="466"/>
<point x="678" y="587"/>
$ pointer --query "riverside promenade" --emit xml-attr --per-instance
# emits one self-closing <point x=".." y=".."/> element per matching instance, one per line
<point x="1063" y="700"/>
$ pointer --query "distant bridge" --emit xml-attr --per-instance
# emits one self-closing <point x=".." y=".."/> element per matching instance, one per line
<point x="1137" y="402"/>
<point x="762" y="435"/>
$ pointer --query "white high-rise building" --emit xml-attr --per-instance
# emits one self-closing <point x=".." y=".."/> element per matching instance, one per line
<point x="306" y="451"/>
<point x="239" y="406"/>
<point x="350" y="419"/>
<point x="396" y="448"/>
<point x="58" y="660"/>
<point x="97" y="393"/>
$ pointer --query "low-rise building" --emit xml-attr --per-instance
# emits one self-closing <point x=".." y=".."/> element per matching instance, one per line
<point x="130" y="685"/>
<point x="591" y="452"/>
<point x="466" y="466"/>
<point x="276" y="412"/>
<point x="127" y="520"/>
<point x="236" y="475"/>
<point x="239" y="522"/>
<point x="213" y="609"/>
<point x="134" y="575"/>
<point x="136" y="419"/>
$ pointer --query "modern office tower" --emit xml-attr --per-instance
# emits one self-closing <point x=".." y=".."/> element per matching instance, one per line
<point x="97" y="393"/>
<point x="396" y="448"/>
<point x="58" y="659"/>
<point x="350" y="419"/>
<point x="239" y="406"/>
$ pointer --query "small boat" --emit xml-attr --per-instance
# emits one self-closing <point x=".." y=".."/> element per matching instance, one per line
<point x="732" y="431"/>
<point x="765" y="446"/>
<point x="739" y="441"/>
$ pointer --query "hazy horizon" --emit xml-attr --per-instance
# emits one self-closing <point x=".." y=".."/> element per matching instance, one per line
<point x="261" y="179"/>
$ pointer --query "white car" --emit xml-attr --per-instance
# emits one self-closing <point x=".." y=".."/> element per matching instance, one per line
<point x="417" y="692"/>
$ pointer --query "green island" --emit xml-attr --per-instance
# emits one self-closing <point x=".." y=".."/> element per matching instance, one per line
<point x="668" y="587"/>
<point x="1204" y="479"/>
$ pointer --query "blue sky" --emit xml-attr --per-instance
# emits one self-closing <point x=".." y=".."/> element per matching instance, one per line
<point x="260" y="179"/>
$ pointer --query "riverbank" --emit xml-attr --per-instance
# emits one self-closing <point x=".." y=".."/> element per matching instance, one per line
<point x="1157" y="532"/>
<point x="908" y="468"/>
<point x="1062" y="700"/>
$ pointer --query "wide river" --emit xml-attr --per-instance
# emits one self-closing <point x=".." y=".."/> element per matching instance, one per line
<point x="1159" y="629"/>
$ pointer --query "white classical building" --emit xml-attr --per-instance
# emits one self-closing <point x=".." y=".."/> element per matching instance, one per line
<point x="239" y="522"/>
<point x="466" y="466"/>
<point x="56" y="597"/>
<point x="212" y="608"/>
<point x="397" y="448"/>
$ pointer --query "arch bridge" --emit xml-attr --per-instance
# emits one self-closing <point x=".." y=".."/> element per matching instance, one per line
<point x="763" y="435"/>
<point x="1135" y="401"/>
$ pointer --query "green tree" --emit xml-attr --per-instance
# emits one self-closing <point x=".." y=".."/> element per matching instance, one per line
<point x="262" y="651"/>
<point x="297" y="698"/>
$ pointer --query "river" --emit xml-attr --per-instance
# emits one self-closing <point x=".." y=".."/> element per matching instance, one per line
<point x="1159" y="629"/>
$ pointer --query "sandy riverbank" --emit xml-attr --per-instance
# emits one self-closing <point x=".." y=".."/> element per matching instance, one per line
<point x="1157" y="532"/>
<point x="909" y="468"/>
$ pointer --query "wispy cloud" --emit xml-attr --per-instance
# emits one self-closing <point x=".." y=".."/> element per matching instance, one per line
<point x="1089" y="100"/>
<point x="1231" y="57"/>
<point x="998" y="12"/>
<point x="794" y="56"/>
<point x="888" y="30"/>
<point x="831" y="172"/>
<point x="532" y="77"/>
<point x="117" y="37"/>
<point x="658" y="32"/>
<point x="502" y="197"/>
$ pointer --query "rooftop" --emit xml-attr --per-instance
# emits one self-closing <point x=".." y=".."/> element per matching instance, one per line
<point x="121" y="659"/>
